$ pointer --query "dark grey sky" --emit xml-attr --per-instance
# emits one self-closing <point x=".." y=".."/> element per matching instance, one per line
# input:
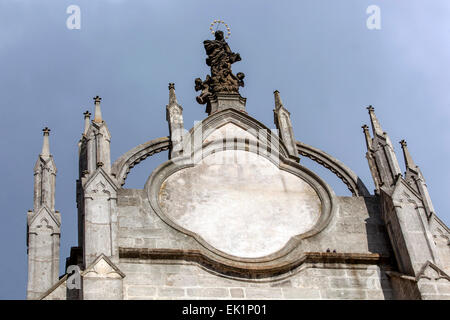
<point x="319" y="54"/>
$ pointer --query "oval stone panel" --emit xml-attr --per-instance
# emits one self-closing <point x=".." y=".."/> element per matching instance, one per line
<point x="240" y="203"/>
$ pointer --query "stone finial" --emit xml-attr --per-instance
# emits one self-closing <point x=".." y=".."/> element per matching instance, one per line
<point x="98" y="111"/>
<point x="87" y="119"/>
<point x="376" y="127"/>
<point x="278" y="102"/>
<point x="365" y="128"/>
<point x="403" y="143"/>
<point x="46" y="144"/>
<point x="174" y="117"/>
<point x="283" y="123"/>
<point x="172" y="95"/>
<point x="409" y="162"/>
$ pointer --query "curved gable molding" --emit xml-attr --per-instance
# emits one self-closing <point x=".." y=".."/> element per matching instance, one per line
<point x="122" y="166"/>
<point x="350" y="178"/>
<point x="262" y="134"/>
<point x="229" y="130"/>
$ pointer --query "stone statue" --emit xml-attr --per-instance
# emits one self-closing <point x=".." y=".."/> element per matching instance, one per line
<point x="204" y="86"/>
<point x="220" y="58"/>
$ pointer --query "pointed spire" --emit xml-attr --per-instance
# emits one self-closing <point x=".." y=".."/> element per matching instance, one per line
<point x="409" y="162"/>
<point x="46" y="145"/>
<point x="416" y="179"/>
<point x="174" y="117"/>
<point x="87" y="121"/>
<point x="376" y="127"/>
<point x="282" y="120"/>
<point x="383" y="161"/>
<point x="278" y="102"/>
<point x="367" y="136"/>
<point x="172" y="96"/>
<point x="98" y="111"/>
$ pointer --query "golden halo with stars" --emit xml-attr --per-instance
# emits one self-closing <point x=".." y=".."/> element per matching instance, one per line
<point x="219" y="22"/>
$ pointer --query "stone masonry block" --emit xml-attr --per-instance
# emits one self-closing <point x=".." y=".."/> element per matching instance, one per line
<point x="181" y="280"/>
<point x="207" y="292"/>
<point x="237" y="292"/>
<point x="325" y="272"/>
<point x="153" y="279"/>
<point x="349" y="294"/>
<point x="301" y="293"/>
<point x="263" y="293"/>
<point x="379" y="294"/>
<point x="427" y="288"/>
<point x="443" y="288"/>
<point x="359" y="282"/>
<point x="141" y="291"/>
<point x="171" y="292"/>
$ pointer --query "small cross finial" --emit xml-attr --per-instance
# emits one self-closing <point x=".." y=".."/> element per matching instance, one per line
<point x="409" y="162"/>
<point x="172" y="96"/>
<point x="46" y="131"/>
<point x="46" y="145"/>
<point x="98" y="111"/>
<point x="278" y="102"/>
<point x="370" y="108"/>
<point x="87" y="118"/>
<point x="403" y="143"/>
<point x="365" y="127"/>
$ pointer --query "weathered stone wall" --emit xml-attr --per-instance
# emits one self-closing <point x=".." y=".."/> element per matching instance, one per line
<point x="158" y="280"/>
<point x="100" y="288"/>
<point x="357" y="227"/>
<point x="441" y="237"/>
<point x="427" y="287"/>
<point x="434" y="290"/>
<point x="140" y="227"/>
